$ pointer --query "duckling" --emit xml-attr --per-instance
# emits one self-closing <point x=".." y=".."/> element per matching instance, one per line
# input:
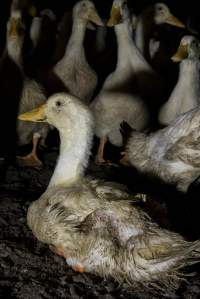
<point x="32" y="93"/>
<point x="186" y="93"/>
<point x="171" y="154"/>
<point x="73" y="68"/>
<point x="93" y="224"/>
<point x="151" y="16"/>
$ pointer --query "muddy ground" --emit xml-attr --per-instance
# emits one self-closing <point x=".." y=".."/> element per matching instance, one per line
<point x="28" y="269"/>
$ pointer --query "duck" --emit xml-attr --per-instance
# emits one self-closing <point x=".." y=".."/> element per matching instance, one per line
<point x="129" y="92"/>
<point x="186" y="93"/>
<point x="156" y="14"/>
<point x="95" y="225"/>
<point x="170" y="154"/>
<point x="32" y="93"/>
<point x="73" y="69"/>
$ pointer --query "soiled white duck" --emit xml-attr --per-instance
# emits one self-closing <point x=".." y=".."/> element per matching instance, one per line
<point x="32" y="93"/>
<point x="73" y="69"/>
<point x="93" y="224"/>
<point x="186" y="94"/>
<point x="171" y="154"/>
<point x="121" y="97"/>
<point x="151" y="16"/>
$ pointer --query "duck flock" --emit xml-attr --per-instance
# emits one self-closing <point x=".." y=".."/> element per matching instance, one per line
<point x="86" y="76"/>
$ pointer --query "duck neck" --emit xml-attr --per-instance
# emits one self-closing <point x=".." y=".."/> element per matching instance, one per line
<point x="75" y="44"/>
<point x="124" y="41"/>
<point x="73" y="157"/>
<point x="129" y="57"/>
<point x="189" y="77"/>
<point x="14" y="49"/>
<point x="143" y="31"/>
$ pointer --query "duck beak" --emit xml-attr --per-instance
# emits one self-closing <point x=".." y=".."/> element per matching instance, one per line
<point x="115" y="16"/>
<point x="35" y="115"/>
<point x="181" y="54"/>
<point x="32" y="11"/>
<point x="13" y="28"/>
<point x="172" y="20"/>
<point x="95" y="18"/>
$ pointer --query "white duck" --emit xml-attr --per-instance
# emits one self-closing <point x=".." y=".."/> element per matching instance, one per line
<point x="73" y="69"/>
<point x="121" y="97"/>
<point x="171" y="154"/>
<point x="186" y="94"/>
<point x="92" y="224"/>
<point x="151" y="16"/>
<point x="32" y="93"/>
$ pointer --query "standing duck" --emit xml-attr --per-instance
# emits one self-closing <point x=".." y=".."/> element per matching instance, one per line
<point x="93" y="224"/>
<point x="73" y="69"/>
<point x="171" y="154"/>
<point x="128" y="92"/>
<point x="32" y="93"/>
<point x="186" y="94"/>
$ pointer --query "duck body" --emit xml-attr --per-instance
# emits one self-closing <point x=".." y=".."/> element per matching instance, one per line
<point x="73" y="69"/>
<point x="171" y="153"/>
<point x="95" y="225"/>
<point x="32" y="96"/>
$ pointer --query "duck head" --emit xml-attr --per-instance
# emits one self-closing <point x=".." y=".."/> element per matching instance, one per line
<point x="86" y="12"/>
<point x="62" y="110"/>
<point x="25" y="6"/>
<point x="163" y="15"/>
<point x="119" y="13"/>
<point x="189" y="48"/>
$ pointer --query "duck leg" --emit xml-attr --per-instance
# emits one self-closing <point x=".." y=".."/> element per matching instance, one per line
<point x="100" y="153"/>
<point x="32" y="159"/>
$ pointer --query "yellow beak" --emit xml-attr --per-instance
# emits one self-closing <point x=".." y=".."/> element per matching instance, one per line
<point x="95" y="18"/>
<point x="36" y="115"/>
<point x="115" y="16"/>
<point x="181" y="53"/>
<point x="172" y="20"/>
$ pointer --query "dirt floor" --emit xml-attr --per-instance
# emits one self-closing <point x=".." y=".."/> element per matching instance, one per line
<point x="28" y="269"/>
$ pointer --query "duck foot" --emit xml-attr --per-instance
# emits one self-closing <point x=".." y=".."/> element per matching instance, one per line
<point x="102" y="161"/>
<point x="78" y="268"/>
<point x="30" y="160"/>
<point x="57" y="250"/>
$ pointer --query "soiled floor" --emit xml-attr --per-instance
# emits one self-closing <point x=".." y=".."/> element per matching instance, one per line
<point x="28" y="269"/>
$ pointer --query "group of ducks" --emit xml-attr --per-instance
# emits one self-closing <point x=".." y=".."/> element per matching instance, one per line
<point x="97" y="226"/>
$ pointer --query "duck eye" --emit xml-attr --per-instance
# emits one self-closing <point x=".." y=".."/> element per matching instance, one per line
<point x="58" y="103"/>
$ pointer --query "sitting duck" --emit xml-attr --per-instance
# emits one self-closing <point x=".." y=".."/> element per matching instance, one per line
<point x="93" y="224"/>
<point x="73" y="69"/>
<point x="171" y="154"/>
<point x="186" y="94"/>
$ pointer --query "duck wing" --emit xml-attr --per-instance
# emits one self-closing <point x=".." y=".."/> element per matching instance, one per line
<point x="186" y="149"/>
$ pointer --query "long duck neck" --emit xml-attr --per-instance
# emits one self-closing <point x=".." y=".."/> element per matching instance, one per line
<point x="75" y="45"/>
<point x="128" y="54"/>
<point x="14" y="51"/>
<point x="189" y="77"/>
<point x="74" y="155"/>
<point x="124" y="41"/>
<point x="143" y="31"/>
